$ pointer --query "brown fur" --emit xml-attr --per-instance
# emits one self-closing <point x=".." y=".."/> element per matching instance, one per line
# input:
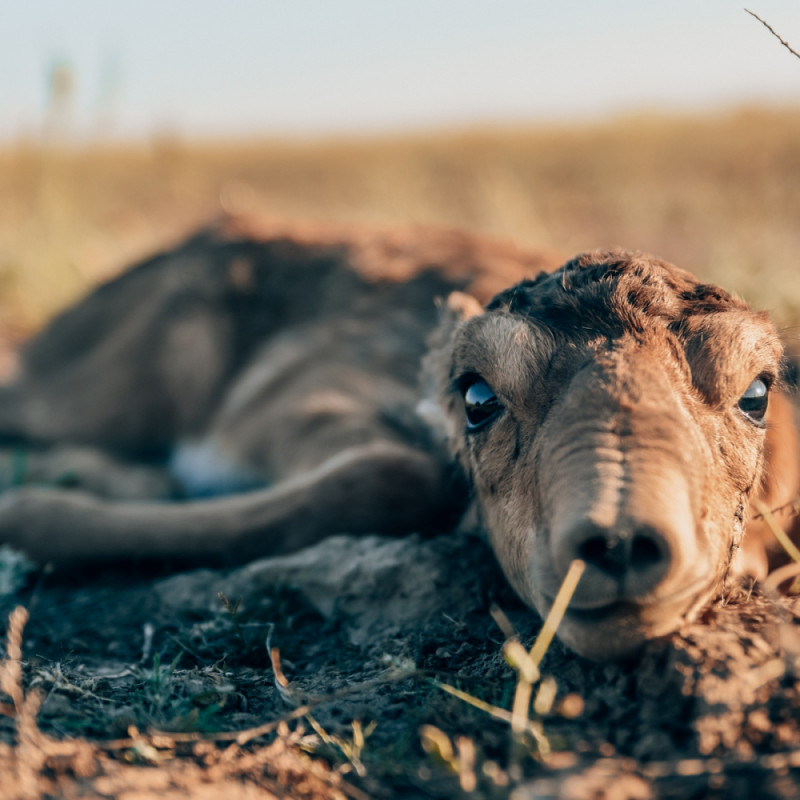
<point x="270" y="378"/>
<point x="620" y="376"/>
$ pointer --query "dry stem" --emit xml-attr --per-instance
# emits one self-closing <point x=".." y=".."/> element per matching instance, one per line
<point x="774" y="33"/>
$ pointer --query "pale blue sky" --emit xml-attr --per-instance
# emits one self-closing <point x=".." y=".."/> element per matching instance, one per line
<point x="323" y="66"/>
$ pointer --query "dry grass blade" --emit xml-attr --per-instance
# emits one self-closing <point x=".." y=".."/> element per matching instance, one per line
<point x="774" y="33"/>
<point x="521" y="707"/>
<point x="520" y="659"/>
<point x="565" y="592"/>
<point x="774" y="580"/>
<point x="438" y="742"/>
<point x="545" y="696"/>
<point x="503" y="622"/>
<point x="529" y="666"/>
<point x="459" y="757"/>
<point x="777" y="531"/>
<point x="466" y="764"/>
<point x="11" y="667"/>
<point x="488" y="708"/>
<point x="350" y="750"/>
<point x="526" y="663"/>
<point x="792" y="506"/>
<point x="532" y="727"/>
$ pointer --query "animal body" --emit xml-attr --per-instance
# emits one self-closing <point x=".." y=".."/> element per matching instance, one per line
<point x="249" y="393"/>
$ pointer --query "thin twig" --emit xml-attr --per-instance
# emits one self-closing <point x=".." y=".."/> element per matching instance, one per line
<point x="777" y="531"/>
<point x="794" y="505"/>
<point x="779" y="576"/>
<point x="557" y="610"/>
<point x="774" y="33"/>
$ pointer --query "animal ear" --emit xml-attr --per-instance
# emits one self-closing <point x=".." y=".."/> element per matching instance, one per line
<point x="453" y="310"/>
<point x="436" y="378"/>
<point x="462" y="305"/>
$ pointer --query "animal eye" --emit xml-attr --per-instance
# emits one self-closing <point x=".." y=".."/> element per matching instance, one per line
<point x="754" y="401"/>
<point x="480" y="402"/>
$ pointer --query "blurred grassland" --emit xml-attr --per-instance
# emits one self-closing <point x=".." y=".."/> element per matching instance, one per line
<point x="717" y="194"/>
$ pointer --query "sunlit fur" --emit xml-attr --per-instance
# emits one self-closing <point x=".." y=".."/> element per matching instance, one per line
<point x="619" y="376"/>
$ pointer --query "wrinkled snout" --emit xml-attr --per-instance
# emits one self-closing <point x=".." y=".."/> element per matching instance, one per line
<point x="635" y="526"/>
<point x="637" y="538"/>
<point x="622" y="491"/>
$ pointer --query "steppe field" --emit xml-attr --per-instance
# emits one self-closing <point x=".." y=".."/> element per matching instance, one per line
<point x="717" y="194"/>
<point x="366" y="667"/>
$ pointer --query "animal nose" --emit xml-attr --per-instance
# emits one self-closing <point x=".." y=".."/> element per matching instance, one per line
<point x="636" y="556"/>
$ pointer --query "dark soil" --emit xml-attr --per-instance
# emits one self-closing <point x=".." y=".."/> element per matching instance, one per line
<point x="366" y="630"/>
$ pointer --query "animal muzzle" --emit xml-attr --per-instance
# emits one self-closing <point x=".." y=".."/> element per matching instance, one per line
<point x="622" y="489"/>
<point x="631" y="517"/>
<point x="625" y="561"/>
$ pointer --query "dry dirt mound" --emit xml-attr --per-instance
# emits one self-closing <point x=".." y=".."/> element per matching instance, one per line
<point x="175" y="686"/>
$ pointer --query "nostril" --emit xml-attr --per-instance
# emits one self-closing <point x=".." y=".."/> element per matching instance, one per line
<point x="629" y="560"/>
<point x="646" y="551"/>
<point x="593" y="549"/>
<point x="642" y="552"/>
<point x="605" y="553"/>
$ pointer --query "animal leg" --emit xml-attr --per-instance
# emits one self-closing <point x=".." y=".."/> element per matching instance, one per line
<point x="381" y="487"/>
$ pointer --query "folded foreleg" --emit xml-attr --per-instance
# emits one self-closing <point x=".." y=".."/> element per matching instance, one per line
<point x="381" y="487"/>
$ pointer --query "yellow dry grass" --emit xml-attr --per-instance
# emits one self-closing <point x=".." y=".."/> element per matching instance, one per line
<point x="718" y="194"/>
<point x="39" y="766"/>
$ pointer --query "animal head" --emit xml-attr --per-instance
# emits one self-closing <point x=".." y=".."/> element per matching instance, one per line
<point x="612" y="411"/>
